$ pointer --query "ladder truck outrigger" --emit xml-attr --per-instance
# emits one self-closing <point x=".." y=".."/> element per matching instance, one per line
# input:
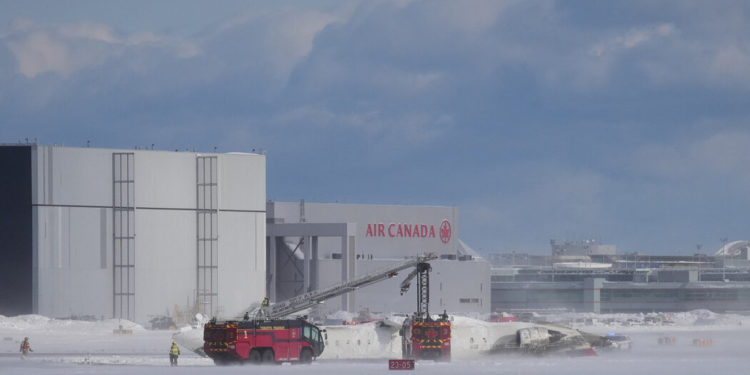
<point x="263" y="336"/>
<point x="422" y="336"/>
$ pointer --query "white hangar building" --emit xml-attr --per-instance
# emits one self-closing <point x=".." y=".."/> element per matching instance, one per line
<point x="315" y="245"/>
<point x="130" y="233"/>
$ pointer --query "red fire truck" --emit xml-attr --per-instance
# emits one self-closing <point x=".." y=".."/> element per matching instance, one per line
<point x="268" y="338"/>
<point x="262" y="341"/>
<point x="422" y="336"/>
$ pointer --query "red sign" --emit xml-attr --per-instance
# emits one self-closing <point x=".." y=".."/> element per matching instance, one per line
<point x="445" y="231"/>
<point x="409" y="230"/>
<point x="401" y="364"/>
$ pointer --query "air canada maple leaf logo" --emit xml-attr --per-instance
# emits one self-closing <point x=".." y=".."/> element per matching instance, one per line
<point x="445" y="231"/>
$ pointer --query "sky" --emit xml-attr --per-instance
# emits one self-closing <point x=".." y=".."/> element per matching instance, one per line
<point x="624" y="122"/>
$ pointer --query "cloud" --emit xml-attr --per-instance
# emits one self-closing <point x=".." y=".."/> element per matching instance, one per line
<point x="268" y="43"/>
<point x="37" y="53"/>
<point x="396" y="131"/>
<point x="632" y="38"/>
<point x="69" y="48"/>
<point x="473" y="17"/>
<point x="722" y="155"/>
<point x="725" y="153"/>
<point x="594" y="67"/>
<point x="730" y="66"/>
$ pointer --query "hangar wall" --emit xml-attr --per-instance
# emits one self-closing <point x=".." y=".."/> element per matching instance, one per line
<point x="132" y="233"/>
<point x="455" y="286"/>
<point x="378" y="226"/>
<point x="383" y="235"/>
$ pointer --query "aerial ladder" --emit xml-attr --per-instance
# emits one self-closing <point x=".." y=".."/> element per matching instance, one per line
<point x="422" y="336"/>
<point x="311" y="299"/>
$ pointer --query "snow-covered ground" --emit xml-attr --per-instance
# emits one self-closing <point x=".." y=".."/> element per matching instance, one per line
<point x="80" y="347"/>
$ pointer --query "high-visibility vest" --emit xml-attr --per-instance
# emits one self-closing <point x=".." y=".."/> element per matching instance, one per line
<point x="174" y="350"/>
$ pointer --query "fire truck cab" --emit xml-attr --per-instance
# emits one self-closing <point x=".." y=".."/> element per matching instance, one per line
<point x="262" y="341"/>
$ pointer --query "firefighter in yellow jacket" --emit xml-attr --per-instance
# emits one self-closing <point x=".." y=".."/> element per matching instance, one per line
<point x="174" y="352"/>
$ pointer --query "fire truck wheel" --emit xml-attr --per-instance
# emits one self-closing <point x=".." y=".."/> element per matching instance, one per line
<point x="305" y="356"/>
<point x="254" y="357"/>
<point x="268" y="356"/>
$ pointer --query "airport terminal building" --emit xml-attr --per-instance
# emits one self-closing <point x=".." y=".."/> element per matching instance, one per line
<point x="586" y="276"/>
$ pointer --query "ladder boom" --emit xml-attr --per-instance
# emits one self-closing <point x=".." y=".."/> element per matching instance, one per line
<point x="310" y="299"/>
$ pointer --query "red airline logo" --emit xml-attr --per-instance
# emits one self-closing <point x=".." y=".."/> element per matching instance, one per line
<point x="445" y="231"/>
<point x="403" y="230"/>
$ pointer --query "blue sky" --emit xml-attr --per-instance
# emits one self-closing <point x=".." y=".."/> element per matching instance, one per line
<point x="627" y="122"/>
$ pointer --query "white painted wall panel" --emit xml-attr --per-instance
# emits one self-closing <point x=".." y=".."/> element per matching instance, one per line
<point x="73" y="176"/>
<point x="75" y="274"/>
<point x="242" y="264"/>
<point x="455" y="280"/>
<point x="245" y="187"/>
<point x="164" y="261"/>
<point x="165" y="179"/>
